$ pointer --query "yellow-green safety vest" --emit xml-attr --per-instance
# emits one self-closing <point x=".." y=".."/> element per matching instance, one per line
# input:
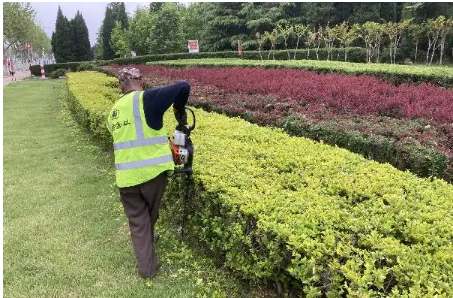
<point x="141" y="153"/>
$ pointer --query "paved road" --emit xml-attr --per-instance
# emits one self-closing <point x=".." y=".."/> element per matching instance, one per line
<point x="20" y="75"/>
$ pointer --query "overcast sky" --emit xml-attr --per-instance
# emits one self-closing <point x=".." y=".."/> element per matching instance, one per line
<point x="93" y="13"/>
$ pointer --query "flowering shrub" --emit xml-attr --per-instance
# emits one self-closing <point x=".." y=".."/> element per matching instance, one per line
<point x="325" y="220"/>
<point x="394" y="73"/>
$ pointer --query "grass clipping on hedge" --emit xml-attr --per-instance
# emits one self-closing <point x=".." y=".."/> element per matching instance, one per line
<point x="275" y="207"/>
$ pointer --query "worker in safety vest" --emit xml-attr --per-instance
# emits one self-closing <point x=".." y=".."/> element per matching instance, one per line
<point x="143" y="156"/>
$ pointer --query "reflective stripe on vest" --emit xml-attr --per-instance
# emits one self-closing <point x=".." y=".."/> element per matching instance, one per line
<point x="140" y="142"/>
<point x="143" y="163"/>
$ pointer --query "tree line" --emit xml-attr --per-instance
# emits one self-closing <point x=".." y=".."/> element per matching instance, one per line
<point x="371" y="33"/>
<point x="393" y="29"/>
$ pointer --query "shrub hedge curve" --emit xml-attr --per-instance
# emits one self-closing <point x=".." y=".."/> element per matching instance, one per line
<point x="276" y="207"/>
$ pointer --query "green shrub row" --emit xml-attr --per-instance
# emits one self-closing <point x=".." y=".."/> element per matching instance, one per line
<point x="396" y="74"/>
<point x="354" y="54"/>
<point x="90" y="97"/>
<point x="316" y="218"/>
<point x="421" y="160"/>
<point x="71" y="66"/>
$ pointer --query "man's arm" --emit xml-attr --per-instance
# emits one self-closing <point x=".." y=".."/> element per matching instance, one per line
<point x="157" y="101"/>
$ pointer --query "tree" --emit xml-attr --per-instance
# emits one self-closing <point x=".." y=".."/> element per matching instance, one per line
<point x="388" y="12"/>
<point x="107" y="27"/>
<point x="82" y="42"/>
<point x="346" y="35"/>
<point x="98" y="50"/>
<point x="365" y="12"/>
<point x="371" y="33"/>
<point x="167" y="31"/>
<point x="259" y="17"/>
<point x="259" y="41"/>
<point x="119" y="14"/>
<point x="417" y="32"/>
<point x="329" y="37"/>
<point x="319" y="13"/>
<point x="446" y="29"/>
<point x="192" y="18"/>
<point x="140" y="30"/>
<point x="434" y="28"/>
<point x="223" y="25"/>
<point x="18" y="20"/>
<point x="120" y="41"/>
<point x="63" y="40"/>
<point x="395" y="32"/>
<point x="300" y="31"/>
<point x="272" y="37"/>
<point x="285" y="32"/>
<point x="155" y="6"/>
<point x="422" y="11"/>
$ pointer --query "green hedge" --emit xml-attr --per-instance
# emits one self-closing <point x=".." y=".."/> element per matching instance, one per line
<point x="325" y="221"/>
<point x="421" y="160"/>
<point x="90" y="96"/>
<point x="49" y="68"/>
<point x="394" y="73"/>
<point x="355" y="55"/>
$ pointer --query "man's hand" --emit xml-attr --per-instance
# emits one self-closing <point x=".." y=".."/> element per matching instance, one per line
<point x="181" y="116"/>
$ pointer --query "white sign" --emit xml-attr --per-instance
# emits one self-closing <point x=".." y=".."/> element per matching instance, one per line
<point x="193" y="46"/>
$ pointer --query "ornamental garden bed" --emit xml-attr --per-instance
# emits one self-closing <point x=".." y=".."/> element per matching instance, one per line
<point x="408" y="126"/>
<point x="315" y="218"/>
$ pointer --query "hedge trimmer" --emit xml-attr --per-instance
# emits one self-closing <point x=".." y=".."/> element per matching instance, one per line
<point x="182" y="150"/>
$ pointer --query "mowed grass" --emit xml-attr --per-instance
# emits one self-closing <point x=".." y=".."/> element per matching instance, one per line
<point x="64" y="231"/>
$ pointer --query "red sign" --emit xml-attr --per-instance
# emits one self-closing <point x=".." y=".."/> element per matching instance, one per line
<point x="193" y="46"/>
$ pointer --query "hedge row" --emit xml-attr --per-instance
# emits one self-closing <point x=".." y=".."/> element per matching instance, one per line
<point x="404" y="153"/>
<point x="354" y="54"/>
<point x="321" y="219"/>
<point x="90" y="97"/>
<point x="395" y="74"/>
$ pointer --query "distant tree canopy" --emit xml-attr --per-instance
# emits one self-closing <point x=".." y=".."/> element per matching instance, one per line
<point x="70" y="41"/>
<point x="19" y="27"/>
<point x="166" y="27"/>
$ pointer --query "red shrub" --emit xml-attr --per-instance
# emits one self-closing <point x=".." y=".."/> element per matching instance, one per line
<point x="323" y="93"/>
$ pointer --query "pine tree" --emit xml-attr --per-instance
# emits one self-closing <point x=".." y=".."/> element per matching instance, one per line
<point x="224" y="25"/>
<point x="119" y="14"/>
<point x="63" y="45"/>
<point x="107" y="28"/>
<point x="82" y="42"/>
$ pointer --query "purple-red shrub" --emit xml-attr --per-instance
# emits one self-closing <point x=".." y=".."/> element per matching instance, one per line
<point x="323" y="93"/>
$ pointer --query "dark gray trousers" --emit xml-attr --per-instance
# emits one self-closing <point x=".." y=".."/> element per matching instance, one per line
<point x="141" y="205"/>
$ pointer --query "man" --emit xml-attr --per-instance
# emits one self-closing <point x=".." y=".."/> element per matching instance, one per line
<point x="143" y="156"/>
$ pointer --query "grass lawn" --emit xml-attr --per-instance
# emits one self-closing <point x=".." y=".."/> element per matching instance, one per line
<point x="64" y="231"/>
